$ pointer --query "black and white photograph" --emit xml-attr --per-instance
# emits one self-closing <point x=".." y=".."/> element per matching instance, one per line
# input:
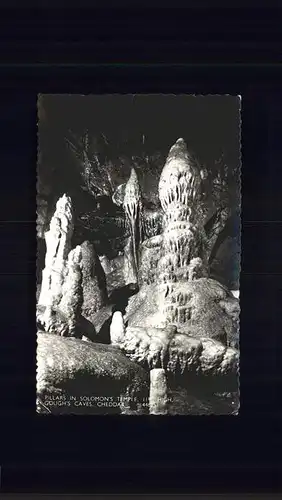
<point x="138" y="254"/>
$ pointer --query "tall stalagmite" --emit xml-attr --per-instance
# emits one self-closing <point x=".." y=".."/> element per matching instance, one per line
<point x="58" y="245"/>
<point x="179" y="192"/>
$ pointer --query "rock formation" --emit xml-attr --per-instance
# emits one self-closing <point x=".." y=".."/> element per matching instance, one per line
<point x="129" y="266"/>
<point x="167" y="352"/>
<point x="177" y="352"/>
<point x="119" y="194"/>
<point x="65" y="318"/>
<point x="133" y="208"/>
<point x="72" y="293"/>
<point x="179" y="191"/>
<point x="158" y="392"/>
<point x="149" y="260"/>
<point x="74" y="284"/>
<point x="204" y="309"/>
<point x="152" y="222"/>
<point x="105" y="263"/>
<point x="101" y="321"/>
<point x="181" y="327"/>
<point x="75" y="372"/>
<point x="178" y="290"/>
<point x="58" y="245"/>
<point x="180" y="321"/>
<point x="93" y="281"/>
<point x="117" y="328"/>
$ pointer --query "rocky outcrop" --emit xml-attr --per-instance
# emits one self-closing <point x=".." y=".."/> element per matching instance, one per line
<point x="177" y="352"/>
<point x="71" y="373"/>
<point x="201" y="308"/>
<point x="58" y="245"/>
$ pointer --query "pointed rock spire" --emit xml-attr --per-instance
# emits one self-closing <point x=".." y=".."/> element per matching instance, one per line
<point x="58" y="245"/>
<point x="180" y="179"/>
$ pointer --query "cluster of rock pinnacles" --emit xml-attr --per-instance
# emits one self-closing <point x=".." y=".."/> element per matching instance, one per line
<point x="179" y="320"/>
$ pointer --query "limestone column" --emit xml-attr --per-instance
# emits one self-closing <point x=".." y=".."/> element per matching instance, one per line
<point x="58" y="246"/>
<point x="158" y="392"/>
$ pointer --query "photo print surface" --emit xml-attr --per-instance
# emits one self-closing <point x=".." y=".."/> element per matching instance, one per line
<point x="138" y="254"/>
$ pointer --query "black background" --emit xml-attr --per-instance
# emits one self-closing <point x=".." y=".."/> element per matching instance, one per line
<point x="114" y="454"/>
